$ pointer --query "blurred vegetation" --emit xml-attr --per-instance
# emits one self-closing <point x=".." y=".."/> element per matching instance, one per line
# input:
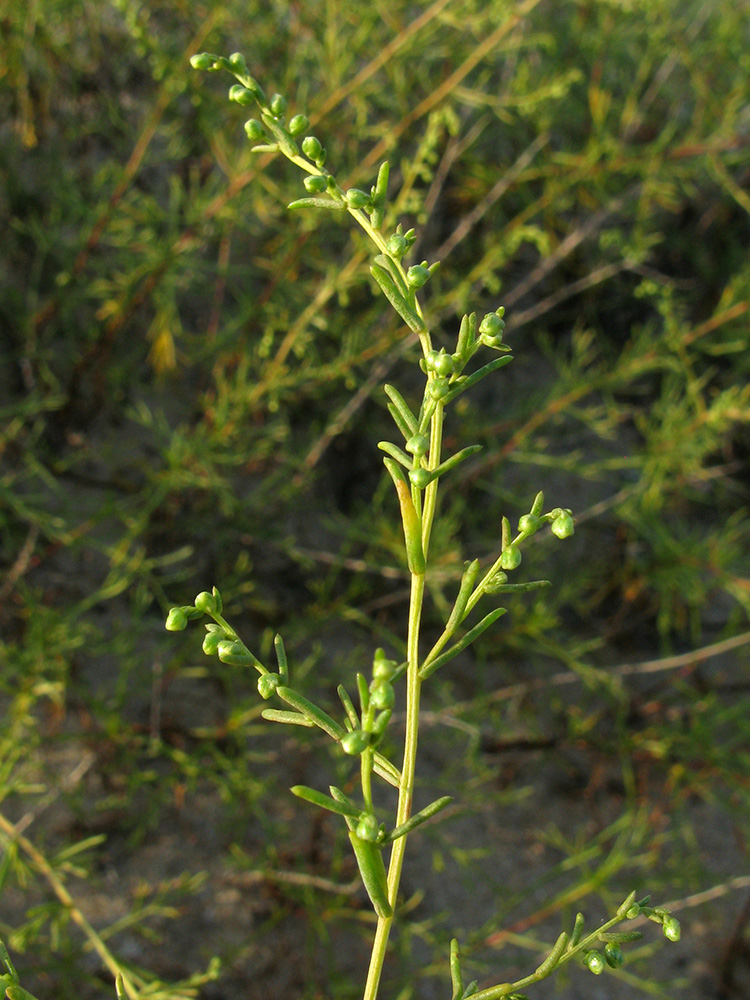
<point x="189" y="391"/>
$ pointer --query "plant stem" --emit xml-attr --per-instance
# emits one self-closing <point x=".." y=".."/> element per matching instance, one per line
<point x="406" y="789"/>
<point x="43" y="866"/>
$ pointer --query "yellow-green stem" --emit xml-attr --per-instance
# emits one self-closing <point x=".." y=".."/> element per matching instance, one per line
<point x="406" y="789"/>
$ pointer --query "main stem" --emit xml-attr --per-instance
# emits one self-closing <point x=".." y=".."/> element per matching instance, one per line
<point x="406" y="788"/>
<point x="413" y="687"/>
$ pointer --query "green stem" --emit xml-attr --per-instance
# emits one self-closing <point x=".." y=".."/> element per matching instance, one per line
<point x="429" y="506"/>
<point x="406" y="789"/>
<point x="413" y="687"/>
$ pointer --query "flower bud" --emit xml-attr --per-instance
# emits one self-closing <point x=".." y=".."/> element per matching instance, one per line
<point x="298" y="125"/>
<point x="356" y="198"/>
<point x="267" y="684"/>
<point x="562" y="526"/>
<point x="254" y="130"/>
<point x="594" y="962"/>
<point x="438" y="387"/>
<point x="367" y="828"/>
<point x="397" y="246"/>
<point x="382" y="696"/>
<point x="443" y="364"/>
<point x="491" y="325"/>
<point x="311" y="148"/>
<point x="240" y="94"/>
<point x="278" y="105"/>
<point x="382" y="668"/>
<point x="418" y="444"/>
<point x="316" y="183"/>
<point x="420" y="478"/>
<point x="511" y="557"/>
<point x="613" y="954"/>
<point x="237" y="63"/>
<point x="211" y="642"/>
<point x="206" y="603"/>
<point x="528" y="523"/>
<point x="203" y="60"/>
<point x="355" y="742"/>
<point x="671" y="929"/>
<point x="417" y="276"/>
<point x="176" y="620"/>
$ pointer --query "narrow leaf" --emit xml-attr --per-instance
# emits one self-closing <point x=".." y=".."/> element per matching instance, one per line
<point x="387" y="771"/>
<point x="554" y="956"/>
<point x="477" y="376"/>
<point x="289" y="718"/>
<point x="455" y="964"/>
<point x="395" y="452"/>
<point x="316" y="715"/>
<point x="346" y="701"/>
<point x="464" y="593"/>
<point x="429" y="667"/>
<point x="396" y="299"/>
<point x="325" y="801"/>
<point x="418" y="818"/>
<point x="335" y="206"/>
<point x="278" y="644"/>
<point x="404" y="411"/>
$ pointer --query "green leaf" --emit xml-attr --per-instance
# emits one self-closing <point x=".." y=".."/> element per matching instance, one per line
<point x="325" y="801"/>
<point x="327" y="203"/>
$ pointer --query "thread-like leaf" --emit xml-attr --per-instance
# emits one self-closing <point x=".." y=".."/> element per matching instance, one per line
<point x="328" y="203"/>
<point x="316" y="715"/>
<point x="288" y="718"/>
<point x="429" y="667"/>
<point x="325" y="801"/>
<point x="418" y="818"/>
<point x="469" y="380"/>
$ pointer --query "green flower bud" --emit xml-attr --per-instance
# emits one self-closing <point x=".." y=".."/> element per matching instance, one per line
<point x="443" y="364"/>
<point x="355" y="742"/>
<point x="240" y="94"/>
<point x="492" y="325"/>
<point x="397" y="246"/>
<point x="633" y="912"/>
<point x="511" y="557"/>
<point x="203" y="60"/>
<point x="367" y="828"/>
<point x="418" y="444"/>
<point x="228" y="648"/>
<point x="417" y="276"/>
<point x="528" y="523"/>
<point x="382" y="668"/>
<point x="613" y="954"/>
<point x="298" y="125"/>
<point x="438" y="387"/>
<point x="594" y="962"/>
<point x="356" y="198"/>
<point x="207" y="603"/>
<point x="311" y="148"/>
<point x="176" y="620"/>
<point x="211" y="641"/>
<point x="237" y="63"/>
<point x="254" y="130"/>
<point x="316" y="183"/>
<point x="278" y="105"/>
<point x="671" y="929"/>
<point x="267" y="684"/>
<point x="382" y="696"/>
<point x="562" y="526"/>
<point x="420" y="478"/>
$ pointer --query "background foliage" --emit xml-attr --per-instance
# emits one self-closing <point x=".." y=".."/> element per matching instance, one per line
<point x="189" y="390"/>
